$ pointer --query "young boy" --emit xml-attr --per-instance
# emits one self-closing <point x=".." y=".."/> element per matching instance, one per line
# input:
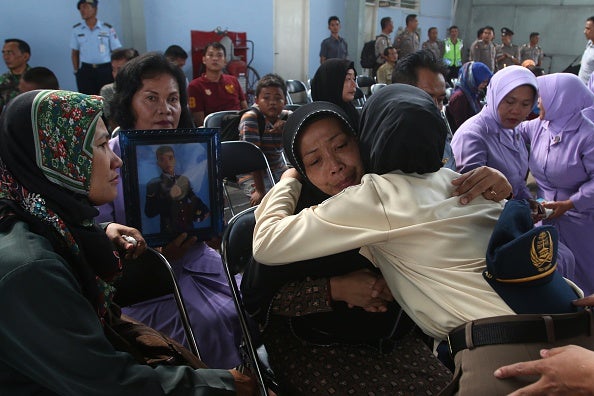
<point x="270" y="102"/>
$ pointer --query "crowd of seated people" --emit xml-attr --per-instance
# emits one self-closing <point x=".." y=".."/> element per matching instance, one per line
<point x="371" y="291"/>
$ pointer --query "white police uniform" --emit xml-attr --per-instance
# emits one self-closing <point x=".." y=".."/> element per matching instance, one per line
<point x="94" y="46"/>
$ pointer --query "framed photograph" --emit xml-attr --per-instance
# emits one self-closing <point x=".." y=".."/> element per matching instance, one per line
<point x="171" y="183"/>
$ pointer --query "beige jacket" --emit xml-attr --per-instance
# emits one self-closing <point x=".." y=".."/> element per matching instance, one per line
<point x="430" y="249"/>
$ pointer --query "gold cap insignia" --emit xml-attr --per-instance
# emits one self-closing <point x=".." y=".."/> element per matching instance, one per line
<point x="541" y="251"/>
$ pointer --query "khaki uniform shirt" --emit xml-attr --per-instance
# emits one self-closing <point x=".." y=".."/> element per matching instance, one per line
<point x="384" y="73"/>
<point x="485" y="53"/>
<point x="511" y="50"/>
<point x="535" y="53"/>
<point x="381" y="43"/>
<point x="437" y="48"/>
<point x="406" y="43"/>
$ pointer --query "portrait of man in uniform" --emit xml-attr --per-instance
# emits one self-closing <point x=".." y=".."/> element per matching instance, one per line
<point x="171" y="197"/>
<point x="171" y="183"/>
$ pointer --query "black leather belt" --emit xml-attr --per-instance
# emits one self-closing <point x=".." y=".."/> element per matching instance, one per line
<point x="96" y="65"/>
<point x="516" y="329"/>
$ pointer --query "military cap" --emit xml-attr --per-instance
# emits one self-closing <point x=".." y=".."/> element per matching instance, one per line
<point x="506" y="32"/>
<point x="91" y="2"/>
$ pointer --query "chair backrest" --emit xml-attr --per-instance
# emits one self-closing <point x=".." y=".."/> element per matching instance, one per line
<point x="214" y="120"/>
<point x="376" y="87"/>
<point x="151" y="276"/>
<point x="236" y="246"/>
<point x="240" y="157"/>
<point x="295" y="87"/>
<point x="292" y="107"/>
<point x="359" y="100"/>
<point x="236" y="251"/>
<point x="365" y="81"/>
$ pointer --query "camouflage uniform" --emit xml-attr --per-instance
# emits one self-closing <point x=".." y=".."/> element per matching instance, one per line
<point x="9" y="87"/>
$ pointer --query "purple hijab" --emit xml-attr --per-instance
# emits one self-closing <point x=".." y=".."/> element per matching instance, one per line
<point x="502" y="83"/>
<point x="564" y="97"/>
<point x="482" y="140"/>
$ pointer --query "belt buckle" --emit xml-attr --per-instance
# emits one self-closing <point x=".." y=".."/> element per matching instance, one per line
<point x="95" y="65"/>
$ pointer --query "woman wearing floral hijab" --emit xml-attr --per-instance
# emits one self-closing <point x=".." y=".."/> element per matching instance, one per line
<point x="562" y="163"/>
<point x="57" y="266"/>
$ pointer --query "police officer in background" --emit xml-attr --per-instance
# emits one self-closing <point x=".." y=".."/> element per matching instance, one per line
<point x="531" y="50"/>
<point x="483" y="49"/>
<point x="452" y="56"/>
<point x="408" y="41"/>
<point x="507" y="53"/>
<point x="92" y="42"/>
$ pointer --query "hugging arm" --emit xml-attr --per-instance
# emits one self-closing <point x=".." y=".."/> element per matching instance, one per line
<point x="356" y="288"/>
<point x="279" y="236"/>
<point x="485" y="181"/>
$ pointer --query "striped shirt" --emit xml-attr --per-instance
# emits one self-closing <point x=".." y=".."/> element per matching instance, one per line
<point x="271" y="142"/>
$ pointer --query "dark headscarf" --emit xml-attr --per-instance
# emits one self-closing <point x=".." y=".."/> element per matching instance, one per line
<point x="297" y="122"/>
<point x="327" y="85"/>
<point x="45" y="167"/>
<point x="401" y="129"/>
<point x="260" y="282"/>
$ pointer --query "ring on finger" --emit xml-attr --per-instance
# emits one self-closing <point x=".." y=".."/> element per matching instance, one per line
<point x="493" y="193"/>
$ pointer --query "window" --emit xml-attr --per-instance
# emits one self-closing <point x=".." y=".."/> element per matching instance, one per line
<point x="407" y="4"/>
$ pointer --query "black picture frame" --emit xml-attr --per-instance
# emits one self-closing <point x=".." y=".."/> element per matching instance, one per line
<point x="197" y="206"/>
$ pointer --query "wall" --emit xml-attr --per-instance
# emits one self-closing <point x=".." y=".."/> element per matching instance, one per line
<point x="559" y="22"/>
<point x="165" y="26"/>
<point x="153" y="25"/>
<point x="46" y="26"/>
<point x="319" y="12"/>
<point x="432" y="13"/>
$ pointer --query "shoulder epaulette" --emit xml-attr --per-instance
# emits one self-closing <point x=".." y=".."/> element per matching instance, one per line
<point x="107" y="24"/>
<point x="77" y="25"/>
